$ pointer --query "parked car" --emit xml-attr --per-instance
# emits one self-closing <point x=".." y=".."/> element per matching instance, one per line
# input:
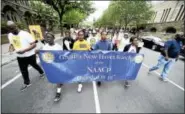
<point x="152" y="42"/>
<point x="182" y="52"/>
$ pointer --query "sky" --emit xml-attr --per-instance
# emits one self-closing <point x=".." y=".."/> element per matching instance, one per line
<point x="100" y="6"/>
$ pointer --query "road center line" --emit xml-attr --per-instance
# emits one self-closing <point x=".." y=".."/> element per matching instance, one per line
<point x="158" y="74"/>
<point x="96" y="99"/>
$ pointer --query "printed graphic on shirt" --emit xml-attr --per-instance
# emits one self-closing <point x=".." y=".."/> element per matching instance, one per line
<point x="92" y="41"/>
<point x="83" y="46"/>
<point x="16" y="42"/>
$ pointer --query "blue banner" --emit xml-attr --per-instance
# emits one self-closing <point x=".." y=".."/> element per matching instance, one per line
<point x="87" y="66"/>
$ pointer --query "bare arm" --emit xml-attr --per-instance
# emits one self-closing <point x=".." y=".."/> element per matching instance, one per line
<point x="11" y="48"/>
<point x="32" y="45"/>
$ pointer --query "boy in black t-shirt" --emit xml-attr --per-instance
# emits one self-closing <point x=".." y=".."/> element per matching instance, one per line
<point x="68" y="41"/>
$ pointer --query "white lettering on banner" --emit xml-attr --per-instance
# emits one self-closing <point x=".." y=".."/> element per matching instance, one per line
<point x="86" y="56"/>
<point x="95" y="70"/>
<point x="93" y="78"/>
<point x="97" y="57"/>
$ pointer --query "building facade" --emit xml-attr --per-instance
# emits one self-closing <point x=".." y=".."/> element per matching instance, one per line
<point x="17" y="11"/>
<point x="168" y="17"/>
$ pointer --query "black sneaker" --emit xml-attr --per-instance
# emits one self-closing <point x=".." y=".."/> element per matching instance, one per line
<point x="127" y="84"/>
<point x="57" y="97"/>
<point x="99" y="84"/>
<point x="42" y="75"/>
<point x="25" y="87"/>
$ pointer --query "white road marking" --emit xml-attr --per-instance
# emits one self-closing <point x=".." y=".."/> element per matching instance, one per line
<point x="12" y="80"/>
<point x="158" y="74"/>
<point x="96" y="99"/>
<point x="16" y="77"/>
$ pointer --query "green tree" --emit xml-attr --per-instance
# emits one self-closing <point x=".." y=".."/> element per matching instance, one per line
<point x="44" y="15"/>
<point x="125" y="12"/>
<point x="63" y="6"/>
<point x="74" y="17"/>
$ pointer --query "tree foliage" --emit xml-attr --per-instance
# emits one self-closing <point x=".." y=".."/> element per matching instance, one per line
<point x="124" y="12"/>
<point x="44" y="14"/>
<point x="74" y="17"/>
<point x="64" y="6"/>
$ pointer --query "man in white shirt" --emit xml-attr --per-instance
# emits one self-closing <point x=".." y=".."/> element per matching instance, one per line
<point x="24" y="45"/>
<point x="124" y="41"/>
<point x="51" y="45"/>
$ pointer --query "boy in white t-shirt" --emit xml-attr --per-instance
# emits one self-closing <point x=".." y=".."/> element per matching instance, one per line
<point x="51" y="45"/>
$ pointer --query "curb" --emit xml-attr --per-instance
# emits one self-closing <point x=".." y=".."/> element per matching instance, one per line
<point x="8" y="62"/>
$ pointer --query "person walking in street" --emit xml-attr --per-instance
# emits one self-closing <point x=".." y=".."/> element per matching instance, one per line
<point x="51" y="45"/>
<point x="115" y="41"/>
<point x="103" y="44"/>
<point x="24" y="45"/>
<point x="131" y="48"/>
<point x="92" y="39"/>
<point x="81" y="45"/>
<point x="68" y="41"/>
<point x="168" y="56"/>
<point x="125" y="40"/>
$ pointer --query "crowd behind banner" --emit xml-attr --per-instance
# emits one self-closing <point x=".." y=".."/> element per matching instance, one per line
<point x="27" y="47"/>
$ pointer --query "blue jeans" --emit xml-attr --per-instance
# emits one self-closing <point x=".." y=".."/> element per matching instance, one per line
<point x="162" y="62"/>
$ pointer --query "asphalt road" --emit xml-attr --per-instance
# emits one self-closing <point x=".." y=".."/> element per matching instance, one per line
<point x="146" y="95"/>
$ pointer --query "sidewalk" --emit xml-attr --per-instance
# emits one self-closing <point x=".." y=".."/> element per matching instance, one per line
<point x="7" y="57"/>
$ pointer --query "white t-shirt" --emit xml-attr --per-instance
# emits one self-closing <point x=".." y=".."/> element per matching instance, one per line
<point x="123" y="43"/>
<point x="21" y="42"/>
<point x="132" y="49"/>
<point x="53" y="47"/>
<point x="140" y="44"/>
<point x="92" y="40"/>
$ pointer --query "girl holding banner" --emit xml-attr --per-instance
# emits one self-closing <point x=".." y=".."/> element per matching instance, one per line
<point x="131" y="48"/>
<point x="82" y="45"/>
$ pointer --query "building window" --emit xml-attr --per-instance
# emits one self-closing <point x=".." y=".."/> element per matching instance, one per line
<point x="154" y="16"/>
<point x="162" y="15"/>
<point x="182" y="12"/>
<point x="167" y="14"/>
<point x="170" y="30"/>
<point x="178" y="13"/>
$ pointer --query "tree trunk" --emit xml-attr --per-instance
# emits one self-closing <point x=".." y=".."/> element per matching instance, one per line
<point x="61" y="25"/>
<point x="70" y="25"/>
<point x="125" y="27"/>
<point x="120" y="24"/>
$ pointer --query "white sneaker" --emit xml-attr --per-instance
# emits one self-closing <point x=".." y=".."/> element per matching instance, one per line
<point x="164" y="79"/>
<point x="80" y="88"/>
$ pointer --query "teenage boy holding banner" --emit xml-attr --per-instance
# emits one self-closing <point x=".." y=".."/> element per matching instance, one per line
<point x="51" y="45"/>
<point x="103" y="44"/>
